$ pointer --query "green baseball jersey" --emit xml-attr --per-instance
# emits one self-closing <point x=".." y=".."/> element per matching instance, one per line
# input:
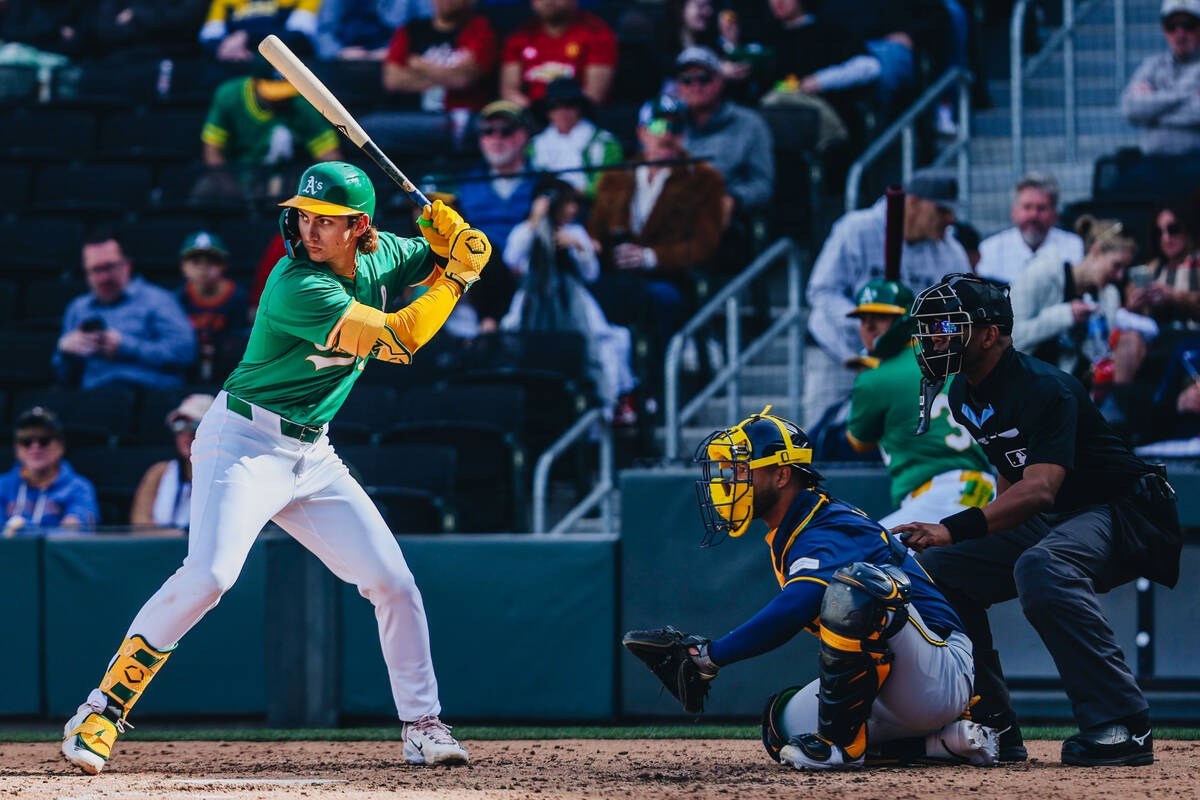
<point x="244" y="129"/>
<point x="884" y="409"/>
<point x="289" y="366"/>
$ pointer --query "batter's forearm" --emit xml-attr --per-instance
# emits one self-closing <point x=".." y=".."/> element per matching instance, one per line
<point x="368" y="332"/>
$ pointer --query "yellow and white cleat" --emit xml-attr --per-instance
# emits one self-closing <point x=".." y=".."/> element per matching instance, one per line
<point x="89" y="736"/>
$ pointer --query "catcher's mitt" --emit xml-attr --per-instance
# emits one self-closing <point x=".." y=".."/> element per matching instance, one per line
<point x="680" y="660"/>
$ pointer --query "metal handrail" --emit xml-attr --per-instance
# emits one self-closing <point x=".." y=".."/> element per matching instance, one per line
<point x="1064" y="37"/>
<point x="601" y="493"/>
<point x="727" y="301"/>
<point x="903" y="127"/>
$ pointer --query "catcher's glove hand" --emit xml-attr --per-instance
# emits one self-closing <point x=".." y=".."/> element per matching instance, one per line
<point x="680" y="660"/>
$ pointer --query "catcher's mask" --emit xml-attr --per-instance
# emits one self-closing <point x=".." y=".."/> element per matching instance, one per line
<point x="946" y="315"/>
<point x="727" y="456"/>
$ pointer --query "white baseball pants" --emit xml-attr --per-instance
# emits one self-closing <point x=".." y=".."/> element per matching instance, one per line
<point x="942" y="497"/>
<point x="245" y="473"/>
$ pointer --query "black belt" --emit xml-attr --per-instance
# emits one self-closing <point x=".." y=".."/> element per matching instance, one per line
<point x="293" y="430"/>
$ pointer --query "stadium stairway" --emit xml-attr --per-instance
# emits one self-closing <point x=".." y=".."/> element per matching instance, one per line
<point x="1101" y="128"/>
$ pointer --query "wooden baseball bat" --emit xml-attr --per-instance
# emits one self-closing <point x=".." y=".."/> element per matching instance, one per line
<point x="895" y="233"/>
<point x="309" y="85"/>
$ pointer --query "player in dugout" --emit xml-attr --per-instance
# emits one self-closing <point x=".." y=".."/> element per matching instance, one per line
<point x="895" y="667"/>
<point x="1077" y="514"/>
<point x="262" y="452"/>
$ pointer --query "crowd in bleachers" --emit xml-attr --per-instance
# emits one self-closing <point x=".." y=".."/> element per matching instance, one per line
<point x="623" y="157"/>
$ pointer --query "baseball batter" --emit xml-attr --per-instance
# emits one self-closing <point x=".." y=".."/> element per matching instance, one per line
<point x="261" y="452"/>
<point x="894" y="661"/>
<point x="933" y="476"/>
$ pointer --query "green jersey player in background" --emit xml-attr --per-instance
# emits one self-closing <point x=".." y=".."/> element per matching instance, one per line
<point x="932" y="476"/>
<point x="261" y="451"/>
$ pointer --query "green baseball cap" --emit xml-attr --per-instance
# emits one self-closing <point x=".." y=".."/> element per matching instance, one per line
<point x="883" y="297"/>
<point x="334" y="189"/>
<point x="203" y="242"/>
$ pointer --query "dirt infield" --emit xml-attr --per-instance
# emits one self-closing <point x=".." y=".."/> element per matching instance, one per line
<point x="566" y="768"/>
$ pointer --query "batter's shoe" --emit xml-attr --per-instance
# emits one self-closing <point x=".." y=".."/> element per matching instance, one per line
<point x="89" y="736"/>
<point x="811" y="751"/>
<point x="428" y="741"/>
<point x="964" y="742"/>
<point x="1111" y="745"/>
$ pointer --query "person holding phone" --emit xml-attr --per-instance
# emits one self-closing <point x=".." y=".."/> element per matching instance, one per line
<point x="1167" y="287"/>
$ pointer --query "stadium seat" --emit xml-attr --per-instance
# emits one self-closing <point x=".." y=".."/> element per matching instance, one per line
<point x="9" y="292"/>
<point x="48" y="245"/>
<point x="171" y="135"/>
<point x="47" y="134"/>
<point x="364" y="415"/>
<point x="795" y="131"/>
<point x="45" y="301"/>
<point x="150" y="422"/>
<point x="247" y="238"/>
<point x="101" y="416"/>
<point x="152" y="243"/>
<point x="413" y="484"/>
<point x="18" y="84"/>
<point x="108" y="188"/>
<point x="483" y="425"/>
<point x="16" y="180"/>
<point x="116" y="473"/>
<point x="35" y="348"/>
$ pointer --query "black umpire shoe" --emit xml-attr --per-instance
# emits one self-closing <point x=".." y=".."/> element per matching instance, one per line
<point x="1012" y="744"/>
<point x="1109" y="745"/>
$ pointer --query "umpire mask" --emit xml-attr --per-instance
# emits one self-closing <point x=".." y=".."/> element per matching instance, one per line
<point x="946" y="315"/>
<point x="727" y="457"/>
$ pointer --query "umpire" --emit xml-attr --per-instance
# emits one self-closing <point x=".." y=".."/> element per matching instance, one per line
<point x="1077" y="514"/>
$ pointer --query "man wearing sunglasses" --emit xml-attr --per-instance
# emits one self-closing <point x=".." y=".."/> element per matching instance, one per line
<point x="42" y="491"/>
<point x="1163" y="100"/>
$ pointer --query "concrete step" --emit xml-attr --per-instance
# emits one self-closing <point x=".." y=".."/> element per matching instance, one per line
<point x="1089" y="121"/>
<point x="1042" y="93"/>
<point x="1051" y="149"/>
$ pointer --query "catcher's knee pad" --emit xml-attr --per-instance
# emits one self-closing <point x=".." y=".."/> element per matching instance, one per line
<point x="136" y="663"/>
<point x="774" y="737"/>
<point x="855" y="659"/>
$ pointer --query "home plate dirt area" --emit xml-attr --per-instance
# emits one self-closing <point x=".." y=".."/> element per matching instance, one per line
<point x="561" y="768"/>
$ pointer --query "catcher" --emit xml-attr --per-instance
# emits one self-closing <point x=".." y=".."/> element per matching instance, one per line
<point x="895" y="666"/>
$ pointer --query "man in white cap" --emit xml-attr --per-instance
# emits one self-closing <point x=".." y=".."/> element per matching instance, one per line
<point x="164" y="495"/>
<point x="1163" y="97"/>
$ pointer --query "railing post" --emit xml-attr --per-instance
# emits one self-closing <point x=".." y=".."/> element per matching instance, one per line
<point x="908" y="147"/>
<point x="964" y="145"/>
<point x="1069" y="80"/>
<point x="1016" y="98"/>
<point x="671" y="397"/>
<point x="795" y="358"/>
<point x="607" y="478"/>
<point x="733" y="347"/>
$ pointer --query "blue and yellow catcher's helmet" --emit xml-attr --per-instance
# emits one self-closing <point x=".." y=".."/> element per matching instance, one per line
<point x="727" y="456"/>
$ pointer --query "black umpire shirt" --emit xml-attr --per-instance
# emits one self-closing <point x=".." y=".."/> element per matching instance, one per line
<point x="1029" y="412"/>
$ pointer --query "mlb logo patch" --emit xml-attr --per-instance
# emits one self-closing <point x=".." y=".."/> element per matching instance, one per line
<point x="1017" y="458"/>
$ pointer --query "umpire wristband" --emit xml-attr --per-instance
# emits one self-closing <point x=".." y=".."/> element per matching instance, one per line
<point x="970" y="523"/>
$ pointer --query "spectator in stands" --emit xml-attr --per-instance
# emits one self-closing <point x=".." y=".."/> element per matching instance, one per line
<point x="686" y="23"/>
<point x="260" y="121"/>
<point x="734" y="139"/>
<point x="968" y="236"/>
<point x="554" y="257"/>
<point x="42" y="490"/>
<point x="235" y="27"/>
<point x="163" y="496"/>
<point x="60" y="27"/>
<point x="1063" y="313"/>
<point x="571" y="140"/>
<point x="1167" y="287"/>
<point x="147" y="29"/>
<point x="892" y="32"/>
<point x="446" y="62"/>
<point x="357" y="31"/>
<point x="853" y="255"/>
<point x="1034" y="213"/>
<point x="214" y="303"/>
<point x="815" y="56"/>
<point x="1174" y="424"/>
<point x="125" y="330"/>
<point x="1163" y="99"/>
<point x="560" y="42"/>
<point x="497" y="197"/>
<point x="655" y="224"/>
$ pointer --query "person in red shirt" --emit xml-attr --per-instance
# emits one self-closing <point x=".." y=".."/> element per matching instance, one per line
<point x="559" y="42"/>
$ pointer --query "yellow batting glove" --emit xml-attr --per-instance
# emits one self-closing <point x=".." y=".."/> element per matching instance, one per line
<point x="470" y="251"/>
<point x="439" y="225"/>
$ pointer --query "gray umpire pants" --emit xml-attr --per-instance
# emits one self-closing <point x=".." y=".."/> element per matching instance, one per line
<point x="1056" y="565"/>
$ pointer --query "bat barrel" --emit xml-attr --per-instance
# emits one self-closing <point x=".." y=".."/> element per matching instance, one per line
<point x="895" y="232"/>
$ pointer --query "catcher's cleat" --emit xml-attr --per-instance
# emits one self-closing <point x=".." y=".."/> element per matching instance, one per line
<point x="1111" y="745"/>
<point x="1008" y="734"/>
<point x="428" y="741"/>
<point x="964" y="742"/>
<point x="89" y="736"/>
<point x="810" y="751"/>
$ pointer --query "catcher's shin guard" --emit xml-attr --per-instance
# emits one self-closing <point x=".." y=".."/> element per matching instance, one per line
<point x="89" y="736"/>
<point x="855" y="659"/>
<point x="774" y="737"/>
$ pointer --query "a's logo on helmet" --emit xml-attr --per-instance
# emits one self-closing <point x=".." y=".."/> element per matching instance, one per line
<point x="313" y="186"/>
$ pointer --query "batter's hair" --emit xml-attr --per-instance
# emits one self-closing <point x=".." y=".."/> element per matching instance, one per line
<point x="1107" y="234"/>
<point x="369" y="242"/>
